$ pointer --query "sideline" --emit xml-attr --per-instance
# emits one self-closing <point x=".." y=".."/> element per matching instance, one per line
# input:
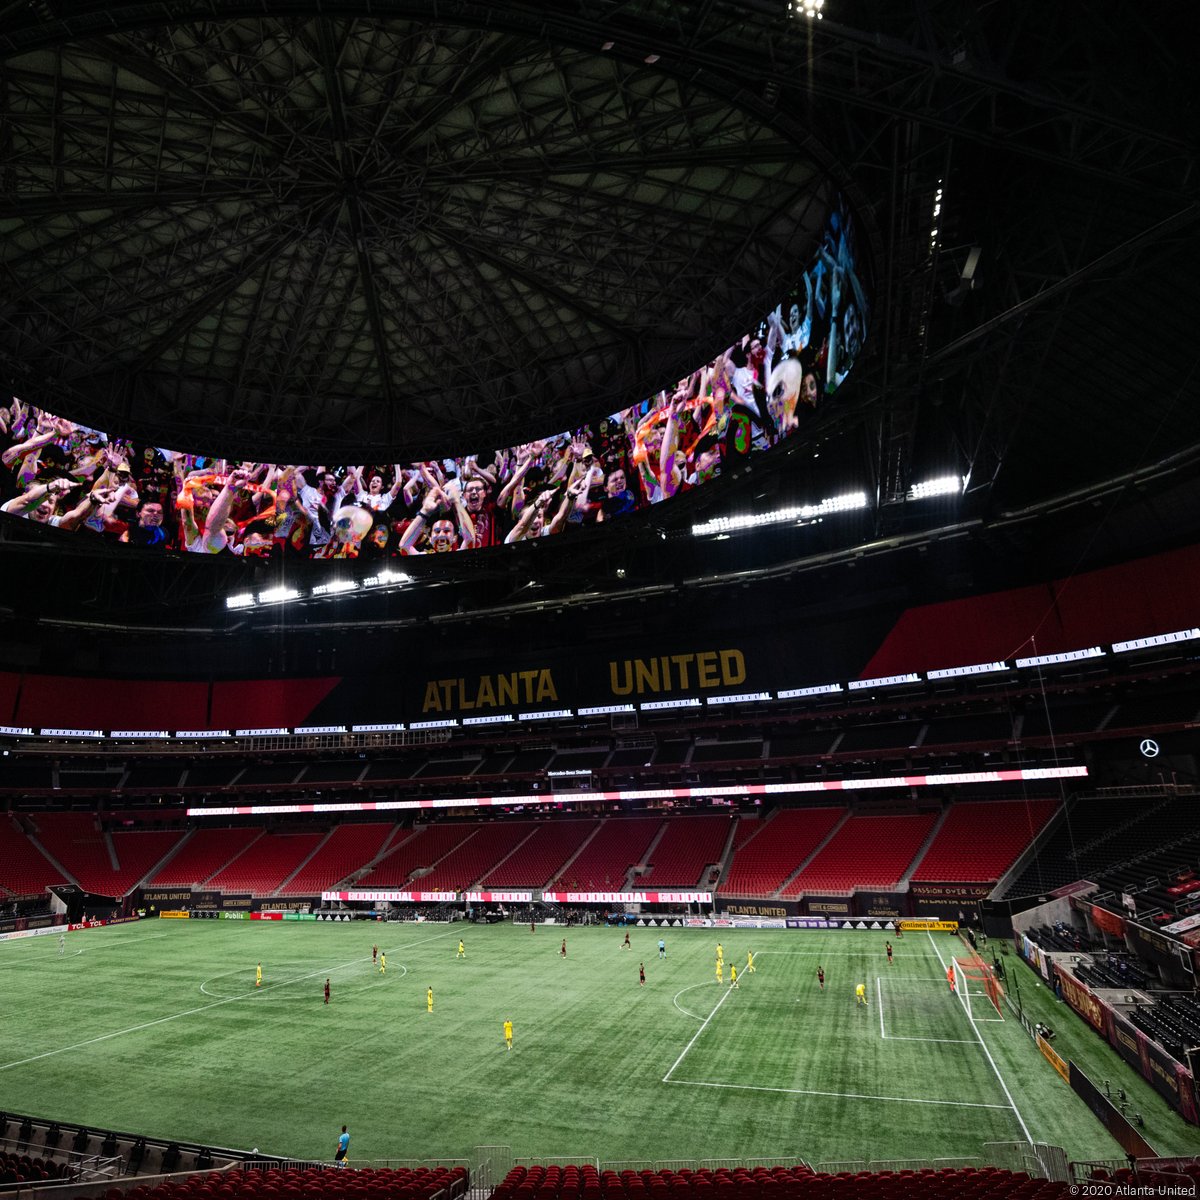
<point x="984" y="1046"/>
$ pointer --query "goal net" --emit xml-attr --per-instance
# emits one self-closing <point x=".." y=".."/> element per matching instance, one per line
<point x="977" y="978"/>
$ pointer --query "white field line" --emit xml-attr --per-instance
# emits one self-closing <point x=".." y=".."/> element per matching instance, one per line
<point x="748" y="1087"/>
<point x="725" y="994"/>
<point x="896" y="1037"/>
<point x="992" y="1020"/>
<point x="983" y="1044"/>
<point x="104" y="1037"/>
<point x="686" y="1012"/>
<point x="50" y="950"/>
<point x="901" y="1037"/>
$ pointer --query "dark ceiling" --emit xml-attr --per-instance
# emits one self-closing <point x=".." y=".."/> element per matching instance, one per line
<point x="438" y="226"/>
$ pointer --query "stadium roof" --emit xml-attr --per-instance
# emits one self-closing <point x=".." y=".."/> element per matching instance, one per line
<point x="427" y="228"/>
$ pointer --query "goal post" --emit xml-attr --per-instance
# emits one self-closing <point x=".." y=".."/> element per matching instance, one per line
<point x="973" y="970"/>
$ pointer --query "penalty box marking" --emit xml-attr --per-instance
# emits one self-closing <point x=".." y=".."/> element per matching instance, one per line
<point x="104" y="1037"/>
<point x="749" y="1087"/>
<point x="899" y="1037"/>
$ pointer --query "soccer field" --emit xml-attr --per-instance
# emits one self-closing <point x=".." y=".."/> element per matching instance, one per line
<point x="158" y="1028"/>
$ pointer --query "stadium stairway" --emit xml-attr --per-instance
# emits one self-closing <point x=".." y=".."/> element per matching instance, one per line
<point x="902" y="886"/>
<point x="587" y="841"/>
<point x="166" y="859"/>
<point x="37" y="845"/>
<point x="639" y="868"/>
<point x="281" y="889"/>
<point x="390" y="843"/>
<point x="261" y="833"/>
<point x="769" y="853"/>
<point x="833" y="832"/>
<point x="688" y="849"/>
<point x="416" y="855"/>
<point x="604" y="864"/>
<point x="497" y="864"/>
<point x="23" y="872"/>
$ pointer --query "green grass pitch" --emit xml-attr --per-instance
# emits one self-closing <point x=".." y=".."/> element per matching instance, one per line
<point x="158" y="1028"/>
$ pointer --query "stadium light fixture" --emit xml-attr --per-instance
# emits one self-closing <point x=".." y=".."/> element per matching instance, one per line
<point x="393" y="727"/>
<point x="335" y="587"/>
<point x="275" y="731"/>
<point x="848" y="502"/>
<point x="857" y="685"/>
<point x="820" y="689"/>
<point x="740" y="698"/>
<point x="306" y="729"/>
<point x="196" y="735"/>
<point x="386" y="577"/>
<point x="959" y="672"/>
<point x="15" y="731"/>
<point x="684" y="702"/>
<point x="71" y="733"/>
<point x="494" y="719"/>
<point x="944" y="485"/>
<point x="241" y="600"/>
<point x="806" y="8"/>
<point x="139" y="735"/>
<point x="1161" y="639"/>
<point x="1067" y="656"/>
<point x="603" y="710"/>
<point x="278" y="595"/>
<point x="548" y="715"/>
<point x="445" y="723"/>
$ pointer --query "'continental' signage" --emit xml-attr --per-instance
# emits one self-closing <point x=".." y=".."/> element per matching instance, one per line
<point x="168" y="914"/>
<point x="932" y="926"/>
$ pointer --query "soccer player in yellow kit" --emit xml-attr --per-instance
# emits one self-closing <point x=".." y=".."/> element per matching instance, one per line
<point x="462" y="950"/>
<point x="720" y="953"/>
<point x="720" y="971"/>
<point x="733" y="975"/>
<point x="508" y="1034"/>
<point x="860" y="994"/>
<point x="258" y="976"/>
<point x="750" y="962"/>
<point x="429" y="1000"/>
<point x="382" y="962"/>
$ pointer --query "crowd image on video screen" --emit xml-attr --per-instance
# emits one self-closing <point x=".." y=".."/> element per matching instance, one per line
<point x="755" y="392"/>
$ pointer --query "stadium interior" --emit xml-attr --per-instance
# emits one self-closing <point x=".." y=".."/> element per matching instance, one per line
<point x="915" y="656"/>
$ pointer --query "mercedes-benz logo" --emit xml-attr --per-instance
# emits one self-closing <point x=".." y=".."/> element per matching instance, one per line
<point x="1149" y="748"/>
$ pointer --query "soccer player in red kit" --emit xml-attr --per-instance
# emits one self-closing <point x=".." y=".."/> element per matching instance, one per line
<point x="821" y="977"/>
<point x="889" y="953"/>
<point x="641" y="974"/>
<point x="327" y="991"/>
<point x="374" y="954"/>
<point x="563" y="952"/>
<point x="625" y="944"/>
